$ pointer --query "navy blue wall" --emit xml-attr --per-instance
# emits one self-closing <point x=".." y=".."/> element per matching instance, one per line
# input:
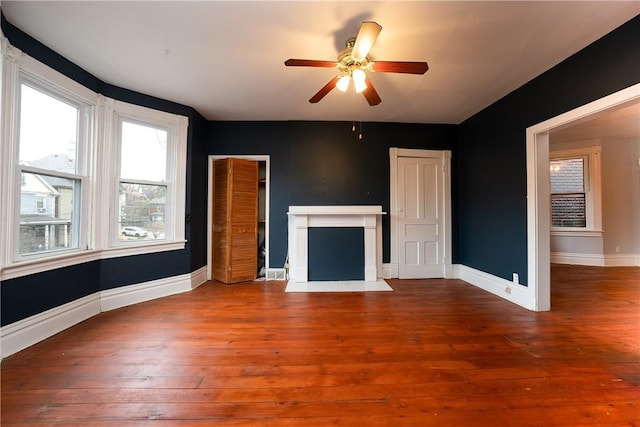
<point x="324" y="163"/>
<point x="25" y="296"/>
<point x="492" y="159"/>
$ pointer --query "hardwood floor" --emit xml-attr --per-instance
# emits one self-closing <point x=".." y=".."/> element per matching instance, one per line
<point x="433" y="352"/>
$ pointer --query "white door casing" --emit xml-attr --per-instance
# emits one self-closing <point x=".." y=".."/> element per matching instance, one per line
<point x="538" y="289"/>
<point x="420" y="213"/>
<point x="211" y="159"/>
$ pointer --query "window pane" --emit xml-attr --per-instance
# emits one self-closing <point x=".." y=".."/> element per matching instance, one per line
<point x="567" y="175"/>
<point x="142" y="211"/>
<point x="568" y="198"/>
<point x="568" y="210"/>
<point x="48" y="131"/>
<point x="47" y="217"/>
<point x="143" y="152"/>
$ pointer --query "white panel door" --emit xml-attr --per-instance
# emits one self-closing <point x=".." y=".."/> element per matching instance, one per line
<point x="420" y="218"/>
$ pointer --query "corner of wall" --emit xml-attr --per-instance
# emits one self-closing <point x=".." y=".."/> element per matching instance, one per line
<point x="27" y="332"/>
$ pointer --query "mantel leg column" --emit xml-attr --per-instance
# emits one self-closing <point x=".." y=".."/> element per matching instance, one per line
<point x="298" y="248"/>
<point x="370" y="250"/>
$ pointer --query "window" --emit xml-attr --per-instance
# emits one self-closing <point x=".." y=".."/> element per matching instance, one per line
<point x="83" y="177"/>
<point x="575" y="189"/>
<point x="150" y="177"/>
<point x="51" y="138"/>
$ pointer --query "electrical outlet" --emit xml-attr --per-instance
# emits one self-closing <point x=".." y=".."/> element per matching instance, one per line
<point x="516" y="279"/>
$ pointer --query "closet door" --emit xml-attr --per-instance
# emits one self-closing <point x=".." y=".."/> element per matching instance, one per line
<point x="235" y="212"/>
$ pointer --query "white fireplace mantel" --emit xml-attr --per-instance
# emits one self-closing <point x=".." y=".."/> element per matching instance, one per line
<point x="303" y="217"/>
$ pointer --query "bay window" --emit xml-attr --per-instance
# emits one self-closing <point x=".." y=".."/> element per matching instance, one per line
<point x="78" y="167"/>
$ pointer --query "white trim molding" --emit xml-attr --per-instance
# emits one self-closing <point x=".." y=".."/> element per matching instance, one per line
<point x="622" y="260"/>
<point x="266" y="158"/>
<point x="596" y="260"/>
<point x="445" y="156"/>
<point x="513" y="292"/>
<point x="198" y="277"/>
<point x="96" y="163"/>
<point x="301" y="218"/>
<point x="27" y="332"/>
<point x="134" y="294"/>
<point x="390" y="271"/>
<point x="538" y="209"/>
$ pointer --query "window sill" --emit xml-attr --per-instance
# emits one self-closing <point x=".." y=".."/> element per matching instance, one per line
<point x="577" y="233"/>
<point x="39" y="265"/>
<point x="142" y="248"/>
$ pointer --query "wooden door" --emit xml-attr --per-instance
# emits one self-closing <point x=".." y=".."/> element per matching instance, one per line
<point x="421" y="212"/>
<point x="235" y="219"/>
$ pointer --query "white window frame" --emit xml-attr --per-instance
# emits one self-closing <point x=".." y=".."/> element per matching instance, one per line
<point x="115" y="112"/>
<point x="592" y="186"/>
<point x="98" y="173"/>
<point x="28" y="75"/>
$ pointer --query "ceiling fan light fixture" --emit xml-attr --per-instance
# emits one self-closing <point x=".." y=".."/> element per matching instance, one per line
<point x="353" y="61"/>
<point x="359" y="82"/>
<point x="343" y="83"/>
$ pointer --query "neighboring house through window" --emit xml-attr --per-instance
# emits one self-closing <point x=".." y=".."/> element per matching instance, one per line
<point x="53" y="126"/>
<point x="86" y="166"/>
<point x="575" y="190"/>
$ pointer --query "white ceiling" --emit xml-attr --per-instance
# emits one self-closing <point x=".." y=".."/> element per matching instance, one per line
<point x="620" y="122"/>
<point x="225" y="58"/>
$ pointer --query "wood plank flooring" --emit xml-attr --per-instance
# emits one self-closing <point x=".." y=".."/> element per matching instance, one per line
<point x="433" y="352"/>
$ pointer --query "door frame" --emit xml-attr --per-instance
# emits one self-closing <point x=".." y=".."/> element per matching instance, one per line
<point x="538" y="193"/>
<point x="255" y="157"/>
<point x="445" y="156"/>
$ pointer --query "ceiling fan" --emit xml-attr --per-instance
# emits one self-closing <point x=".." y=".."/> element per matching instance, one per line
<point x="353" y="62"/>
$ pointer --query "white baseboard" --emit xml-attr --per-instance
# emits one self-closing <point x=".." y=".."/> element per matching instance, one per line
<point x="622" y="260"/>
<point x="134" y="294"/>
<point x="27" y="332"/>
<point x="390" y="271"/>
<point x="515" y="293"/>
<point x="198" y="277"/>
<point x="596" y="260"/>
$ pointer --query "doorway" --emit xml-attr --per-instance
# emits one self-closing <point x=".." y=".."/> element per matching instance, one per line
<point x="420" y="213"/>
<point x="538" y="199"/>
<point x="263" y="210"/>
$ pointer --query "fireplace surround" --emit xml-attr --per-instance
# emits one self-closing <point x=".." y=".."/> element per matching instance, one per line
<point x="301" y="218"/>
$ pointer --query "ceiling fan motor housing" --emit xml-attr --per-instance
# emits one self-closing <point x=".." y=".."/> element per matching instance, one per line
<point x="347" y="63"/>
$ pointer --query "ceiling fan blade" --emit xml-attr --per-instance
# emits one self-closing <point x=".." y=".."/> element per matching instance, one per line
<point x="366" y="38"/>
<point x="309" y="63"/>
<point x="325" y="90"/>
<point x="370" y="93"/>
<point x="400" y="67"/>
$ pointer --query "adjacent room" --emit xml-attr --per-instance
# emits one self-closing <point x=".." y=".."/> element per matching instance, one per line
<point x="320" y="213"/>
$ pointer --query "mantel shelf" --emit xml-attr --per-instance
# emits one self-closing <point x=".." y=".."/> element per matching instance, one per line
<point x="336" y="210"/>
